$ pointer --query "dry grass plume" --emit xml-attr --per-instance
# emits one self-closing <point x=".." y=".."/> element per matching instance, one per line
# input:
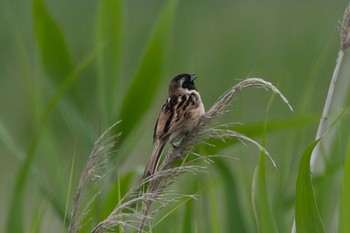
<point x="134" y="209"/>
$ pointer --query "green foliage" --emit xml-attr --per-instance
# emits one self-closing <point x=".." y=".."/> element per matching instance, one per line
<point x="344" y="224"/>
<point x="57" y="65"/>
<point x="51" y="44"/>
<point x="109" y="35"/>
<point x="263" y="211"/>
<point x="141" y="94"/>
<point x="255" y="129"/>
<point x="307" y="217"/>
<point x="119" y="188"/>
<point x="187" y="221"/>
<point x="233" y="215"/>
<point x="70" y="70"/>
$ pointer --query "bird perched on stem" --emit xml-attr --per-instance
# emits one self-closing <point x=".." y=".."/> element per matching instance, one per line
<point x="180" y="113"/>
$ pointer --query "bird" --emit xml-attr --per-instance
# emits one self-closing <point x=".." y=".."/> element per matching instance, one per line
<point x="179" y="115"/>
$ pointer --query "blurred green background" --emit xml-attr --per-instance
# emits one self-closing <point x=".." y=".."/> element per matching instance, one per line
<point x="70" y="69"/>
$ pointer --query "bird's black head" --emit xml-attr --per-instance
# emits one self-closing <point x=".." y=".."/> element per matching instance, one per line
<point x="182" y="82"/>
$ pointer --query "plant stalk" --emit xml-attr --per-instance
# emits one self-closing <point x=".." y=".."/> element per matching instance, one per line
<point x="323" y="120"/>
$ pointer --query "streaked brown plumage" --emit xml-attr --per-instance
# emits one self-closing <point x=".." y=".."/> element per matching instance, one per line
<point x="180" y="113"/>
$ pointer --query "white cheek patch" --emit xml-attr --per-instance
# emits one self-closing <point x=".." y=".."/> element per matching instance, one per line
<point x="194" y="91"/>
<point x="186" y="91"/>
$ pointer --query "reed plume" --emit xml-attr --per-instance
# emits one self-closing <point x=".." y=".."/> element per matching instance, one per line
<point x="134" y="209"/>
<point x="95" y="168"/>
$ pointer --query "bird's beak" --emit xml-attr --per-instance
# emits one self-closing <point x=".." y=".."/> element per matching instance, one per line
<point x="193" y="77"/>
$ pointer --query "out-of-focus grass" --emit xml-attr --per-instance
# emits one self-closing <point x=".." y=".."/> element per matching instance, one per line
<point x="144" y="87"/>
<point x="263" y="212"/>
<point x="68" y="73"/>
<point x="344" y="224"/>
<point x="307" y="217"/>
<point x="109" y="35"/>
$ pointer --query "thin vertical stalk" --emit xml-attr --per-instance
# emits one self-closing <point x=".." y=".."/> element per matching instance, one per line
<point x="344" y="31"/>
<point x="327" y="105"/>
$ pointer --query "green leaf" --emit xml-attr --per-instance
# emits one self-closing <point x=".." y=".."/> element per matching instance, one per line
<point x="48" y="35"/>
<point x="51" y="44"/>
<point x="258" y="129"/>
<point x="9" y="142"/>
<point x="307" y="217"/>
<point x="69" y="186"/>
<point x="233" y="214"/>
<point x="122" y="185"/>
<point x="38" y="216"/>
<point x="344" y="223"/>
<point x="214" y="217"/>
<point x="109" y="35"/>
<point x="148" y="78"/>
<point x="15" y="218"/>
<point x="263" y="212"/>
<point x="171" y="211"/>
<point x="187" y="222"/>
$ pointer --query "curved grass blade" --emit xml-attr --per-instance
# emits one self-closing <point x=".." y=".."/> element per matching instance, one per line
<point x="214" y="216"/>
<point x="51" y="44"/>
<point x="187" y="222"/>
<point x="261" y="205"/>
<point x="109" y="35"/>
<point x="176" y="207"/>
<point x="14" y="218"/>
<point x="96" y="167"/>
<point x="122" y="185"/>
<point x="307" y="217"/>
<point x="9" y="142"/>
<point x="257" y="129"/>
<point x="234" y="218"/>
<point x="263" y="212"/>
<point x="23" y="56"/>
<point x="148" y="78"/>
<point x="306" y="187"/>
<point x="69" y="185"/>
<point x="344" y="223"/>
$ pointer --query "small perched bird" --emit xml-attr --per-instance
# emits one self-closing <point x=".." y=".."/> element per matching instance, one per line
<point x="180" y="113"/>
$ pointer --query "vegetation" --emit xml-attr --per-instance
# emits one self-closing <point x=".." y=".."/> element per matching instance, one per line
<point x="71" y="70"/>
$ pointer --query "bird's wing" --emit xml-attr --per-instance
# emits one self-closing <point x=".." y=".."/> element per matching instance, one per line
<point x="174" y="112"/>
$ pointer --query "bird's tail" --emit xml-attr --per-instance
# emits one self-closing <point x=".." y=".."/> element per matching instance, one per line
<point x="153" y="161"/>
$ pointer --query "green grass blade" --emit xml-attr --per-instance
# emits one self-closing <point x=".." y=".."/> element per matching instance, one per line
<point x="23" y="56"/>
<point x="120" y="187"/>
<point x="14" y="218"/>
<point x="263" y="211"/>
<point x="148" y="78"/>
<point x="69" y="187"/>
<point x="8" y="141"/>
<point x="172" y="210"/>
<point x="67" y="83"/>
<point x="233" y="215"/>
<point x="109" y="35"/>
<point x="187" y="222"/>
<point x="258" y="129"/>
<point x="344" y="223"/>
<point x="51" y="44"/>
<point x="307" y="217"/>
<point x="38" y="217"/>
<point x="214" y="217"/>
<point x="36" y="221"/>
